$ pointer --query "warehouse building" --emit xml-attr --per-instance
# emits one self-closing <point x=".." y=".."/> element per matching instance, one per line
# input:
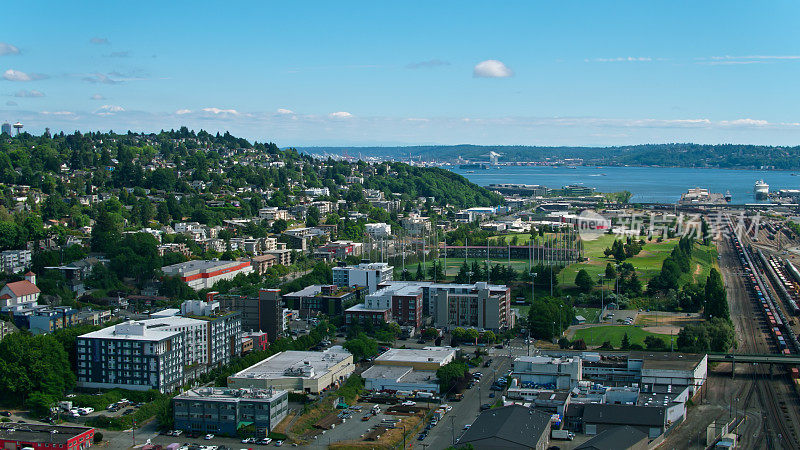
<point x="35" y="436"/>
<point x="203" y="274"/>
<point x="298" y="371"/>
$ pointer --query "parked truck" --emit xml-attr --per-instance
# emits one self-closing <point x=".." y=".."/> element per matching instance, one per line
<point x="564" y="435"/>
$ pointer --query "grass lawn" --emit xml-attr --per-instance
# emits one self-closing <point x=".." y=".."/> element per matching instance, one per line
<point x="595" y="336"/>
<point x="454" y="264"/>
<point x="647" y="263"/>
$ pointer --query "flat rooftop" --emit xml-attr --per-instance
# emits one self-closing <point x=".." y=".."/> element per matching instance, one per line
<point x="439" y="355"/>
<point x="232" y="395"/>
<point x="199" y="265"/>
<point x="276" y="365"/>
<point x="135" y="331"/>
<point x="28" y="432"/>
<point x="361" y="307"/>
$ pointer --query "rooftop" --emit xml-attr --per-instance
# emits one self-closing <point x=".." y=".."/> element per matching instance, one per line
<point x="28" y="432"/>
<point x="615" y="438"/>
<point x="293" y="364"/>
<point x="440" y="355"/>
<point x="199" y="265"/>
<point x="515" y="425"/>
<point x="137" y="331"/>
<point x="233" y="395"/>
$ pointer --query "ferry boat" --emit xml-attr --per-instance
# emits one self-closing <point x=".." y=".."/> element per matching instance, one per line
<point x="761" y="189"/>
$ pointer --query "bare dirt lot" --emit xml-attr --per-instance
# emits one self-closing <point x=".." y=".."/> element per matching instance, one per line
<point x="666" y="322"/>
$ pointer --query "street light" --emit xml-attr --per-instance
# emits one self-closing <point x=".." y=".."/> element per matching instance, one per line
<point x="533" y="297"/>
<point x="602" y="295"/>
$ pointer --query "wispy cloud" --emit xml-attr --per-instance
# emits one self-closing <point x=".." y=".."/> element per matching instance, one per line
<point x="340" y="115"/>
<point x="59" y="113"/>
<point x="285" y="111"/>
<point x="99" y="41"/>
<point x="107" y="110"/>
<point x="100" y="78"/>
<point x="123" y="54"/>
<point x="97" y="97"/>
<point x="429" y="64"/>
<point x="181" y="112"/>
<point x="8" y="49"/>
<point x="28" y="94"/>
<point x="17" y="75"/>
<point x="620" y="59"/>
<point x="491" y="68"/>
<point x="745" y="59"/>
<point x="221" y="111"/>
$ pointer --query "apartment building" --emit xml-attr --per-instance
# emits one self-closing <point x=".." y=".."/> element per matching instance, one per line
<point x="15" y="261"/>
<point x="133" y="356"/>
<point x="368" y="275"/>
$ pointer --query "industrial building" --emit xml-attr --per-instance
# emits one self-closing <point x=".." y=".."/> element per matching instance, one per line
<point x="224" y="411"/>
<point x="407" y="369"/>
<point x="298" y="371"/>
<point x="511" y="426"/>
<point x="203" y="274"/>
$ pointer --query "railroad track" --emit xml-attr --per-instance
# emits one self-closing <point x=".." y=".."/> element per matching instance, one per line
<point x="781" y="432"/>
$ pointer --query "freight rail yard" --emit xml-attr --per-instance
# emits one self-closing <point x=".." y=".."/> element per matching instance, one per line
<point x="763" y="293"/>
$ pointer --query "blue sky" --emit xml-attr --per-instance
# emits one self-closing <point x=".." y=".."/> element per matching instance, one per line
<point x="349" y="73"/>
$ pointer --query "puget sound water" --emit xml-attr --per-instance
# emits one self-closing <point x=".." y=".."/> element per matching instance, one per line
<point x="647" y="184"/>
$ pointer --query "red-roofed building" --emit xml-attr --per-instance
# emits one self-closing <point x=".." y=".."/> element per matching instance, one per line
<point x="20" y="293"/>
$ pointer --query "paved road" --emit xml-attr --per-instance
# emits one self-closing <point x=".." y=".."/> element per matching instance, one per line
<point x="465" y="411"/>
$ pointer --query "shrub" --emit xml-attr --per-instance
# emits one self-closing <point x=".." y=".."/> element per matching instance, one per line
<point x="98" y="437"/>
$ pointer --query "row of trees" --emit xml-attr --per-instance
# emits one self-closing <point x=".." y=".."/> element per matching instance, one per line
<point x="678" y="263"/>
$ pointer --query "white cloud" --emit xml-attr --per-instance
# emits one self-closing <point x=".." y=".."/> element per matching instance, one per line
<point x="745" y="122"/>
<point x="8" y="49"/>
<point x="109" y="110"/>
<point x="621" y="59"/>
<point x="17" y="75"/>
<point x="181" y="112"/>
<point x="491" y="68"/>
<point x="340" y="115"/>
<point x="221" y="111"/>
<point x="99" y="41"/>
<point x="97" y="97"/>
<point x="99" y="78"/>
<point x="28" y="94"/>
<point x="58" y="113"/>
<point x="285" y="111"/>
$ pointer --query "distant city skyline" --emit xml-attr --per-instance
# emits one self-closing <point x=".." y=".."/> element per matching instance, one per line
<point x="366" y="73"/>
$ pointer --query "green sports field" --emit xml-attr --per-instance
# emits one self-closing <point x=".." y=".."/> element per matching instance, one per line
<point x="595" y="336"/>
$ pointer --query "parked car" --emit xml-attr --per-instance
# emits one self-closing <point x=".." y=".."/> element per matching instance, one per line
<point x="485" y="406"/>
<point x="265" y="441"/>
<point x="278" y="443"/>
<point x="422" y="436"/>
<point x="466" y="427"/>
<point x="208" y="437"/>
<point x="409" y="403"/>
<point x="250" y="440"/>
<point x="177" y="432"/>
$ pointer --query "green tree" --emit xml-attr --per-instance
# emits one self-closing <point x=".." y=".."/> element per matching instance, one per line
<point x="584" y="281"/>
<point x="716" y="297"/>
<point x="450" y="373"/>
<point x="611" y="273"/>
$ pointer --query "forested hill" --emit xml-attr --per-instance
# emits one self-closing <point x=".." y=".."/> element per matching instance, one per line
<point x="206" y="167"/>
<point x="675" y="155"/>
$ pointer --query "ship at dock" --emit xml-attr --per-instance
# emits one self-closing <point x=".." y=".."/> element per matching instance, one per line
<point x="761" y="190"/>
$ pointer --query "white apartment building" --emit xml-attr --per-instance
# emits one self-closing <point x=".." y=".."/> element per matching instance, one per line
<point x="368" y="275"/>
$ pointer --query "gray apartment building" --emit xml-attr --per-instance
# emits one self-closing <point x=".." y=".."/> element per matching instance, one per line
<point x="224" y="411"/>
<point x="131" y="356"/>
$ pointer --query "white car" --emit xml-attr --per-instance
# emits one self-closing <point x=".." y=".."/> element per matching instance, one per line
<point x="208" y="437"/>
<point x="446" y="407"/>
<point x="466" y="427"/>
<point x="250" y="440"/>
<point x="409" y="403"/>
